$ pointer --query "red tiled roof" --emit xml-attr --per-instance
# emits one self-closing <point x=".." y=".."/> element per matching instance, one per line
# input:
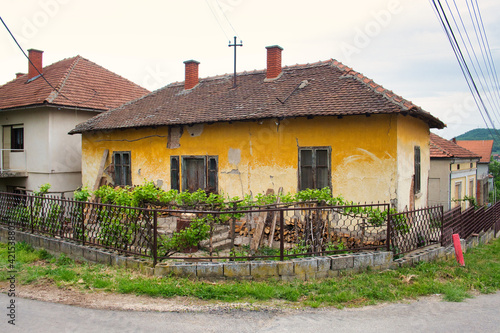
<point x="79" y="83"/>
<point x="442" y="148"/>
<point x="321" y="89"/>
<point x="481" y="147"/>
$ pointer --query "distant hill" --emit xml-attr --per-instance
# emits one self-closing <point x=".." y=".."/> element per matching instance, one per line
<point x="482" y="134"/>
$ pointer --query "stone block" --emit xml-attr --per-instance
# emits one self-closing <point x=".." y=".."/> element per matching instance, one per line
<point x="324" y="264"/>
<point x="103" y="257"/>
<point x="305" y="268"/>
<point x="44" y="243"/>
<point x="263" y="269"/>
<point x="119" y="260"/>
<point x="382" y="258"/>
<point x="89" y="253"/>
<point x="183" y="269"/>
<point x="285" y="268"/>
<point x="342" y="261"/>
<point x="65" y="248"/>
<point x="77" y="251"/>
<point x="209" y="270"/>
<point x="162" y="269"/>
<point x="236" y="269"/>
<point x="133" y="263"/>
<point x="362" y="260"/>
<point x="54" y="245"/>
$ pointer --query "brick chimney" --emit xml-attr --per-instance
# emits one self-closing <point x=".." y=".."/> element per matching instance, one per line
<point x="35" y="59"/>
<point x="191" y="76"/>
<point x="273" y="61"/>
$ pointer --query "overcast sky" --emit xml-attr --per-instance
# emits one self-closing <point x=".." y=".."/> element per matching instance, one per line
<point x="397" y="43"/>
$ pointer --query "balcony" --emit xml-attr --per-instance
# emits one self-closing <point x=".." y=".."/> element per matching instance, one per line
<point x="13" y="163"/>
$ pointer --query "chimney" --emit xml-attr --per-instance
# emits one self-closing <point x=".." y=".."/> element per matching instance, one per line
<point x="273" y="61"/>
<point x="35" y="57"/>
<point x="454" y="140"/>
<point x="191" y="76"/>
<point x="18" y="75"/>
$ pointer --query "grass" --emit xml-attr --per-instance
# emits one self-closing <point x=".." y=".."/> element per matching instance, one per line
<point x="481" y="274"/>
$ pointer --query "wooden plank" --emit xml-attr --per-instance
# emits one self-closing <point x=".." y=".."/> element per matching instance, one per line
<point x="100" y="172"/>
<point x="259" y="229"/>
<point x="275" y="216"/>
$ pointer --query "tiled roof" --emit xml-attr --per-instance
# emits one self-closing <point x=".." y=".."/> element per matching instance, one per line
<point x="79" y="83"/>
<point x="321" y="89"/>
<point x="481" y="147"/>
<point x="442" y="148"/>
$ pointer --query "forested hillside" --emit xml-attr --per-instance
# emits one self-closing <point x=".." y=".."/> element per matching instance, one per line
<point x="482" y="134"/>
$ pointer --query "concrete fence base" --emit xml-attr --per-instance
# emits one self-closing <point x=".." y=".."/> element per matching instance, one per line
<point x="300" y="268"/>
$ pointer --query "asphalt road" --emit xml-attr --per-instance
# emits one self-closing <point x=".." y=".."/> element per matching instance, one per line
<point x="480" y="314"/>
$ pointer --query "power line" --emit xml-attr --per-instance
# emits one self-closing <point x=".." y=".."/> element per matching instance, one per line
<point x="32" y="64"/>
<point x="463" y="64"/>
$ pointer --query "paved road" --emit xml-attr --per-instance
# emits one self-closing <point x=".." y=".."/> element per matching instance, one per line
<point x="481" y="314"/>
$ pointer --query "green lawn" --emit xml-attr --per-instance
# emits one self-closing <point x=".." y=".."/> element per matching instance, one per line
<point x="481" y="274"/>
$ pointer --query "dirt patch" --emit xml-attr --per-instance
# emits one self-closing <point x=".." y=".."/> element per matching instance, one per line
<point x="47" y="292"/>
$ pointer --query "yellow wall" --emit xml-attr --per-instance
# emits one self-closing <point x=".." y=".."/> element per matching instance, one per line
<point x="256" y="155"/>
<point x="412" y="132"/>
<point x="465" y="174"/>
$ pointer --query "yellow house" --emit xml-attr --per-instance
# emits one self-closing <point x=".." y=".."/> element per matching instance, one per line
<point x="453" y="174"/>
<point x="305" y="126"/>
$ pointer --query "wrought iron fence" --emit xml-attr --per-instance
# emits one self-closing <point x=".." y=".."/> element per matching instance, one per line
<point x="282" y="231"/>
<point x="125" y="229"/>
<point x="278" y="232"/>
<point x="414" y="229"/>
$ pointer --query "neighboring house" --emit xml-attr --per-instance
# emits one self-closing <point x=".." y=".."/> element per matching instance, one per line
<point x="484" y="183"/>
<point x="35" y="119"/>
<point x="305" y="126"/>
<point x="453" y="174"/>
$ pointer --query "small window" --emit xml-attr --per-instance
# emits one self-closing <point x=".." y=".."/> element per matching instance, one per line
<point x="17" y="138"/>
<point x="458" y="193"/>
<point x="122" y="165"/>
<point x="458" y="166"/>
<point x="314" y="167"/>
<point x="417" y="170"/>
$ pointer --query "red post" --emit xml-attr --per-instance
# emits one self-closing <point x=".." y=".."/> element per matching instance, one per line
<point x="458" y="250"/>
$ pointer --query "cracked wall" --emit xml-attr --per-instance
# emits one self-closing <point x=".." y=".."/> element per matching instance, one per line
<point x="370" y="158"/>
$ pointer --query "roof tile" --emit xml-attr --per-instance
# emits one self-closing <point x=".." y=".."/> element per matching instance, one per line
<point x="78" y="82"/>
<point x="442" y="148"/>
<point x="480" y="147"/>
<point x="332" y="89"/>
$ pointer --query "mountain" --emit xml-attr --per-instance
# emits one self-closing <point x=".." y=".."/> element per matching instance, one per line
<point x="483" y="134"/>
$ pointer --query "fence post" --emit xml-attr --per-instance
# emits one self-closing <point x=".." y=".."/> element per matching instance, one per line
<point x="233" y="225"/>
<point x="282" y="241"/>
<point x="155" y="238"/>
<point x="442" y="225"/>
<point x="388" y="237"/>
<point x="31" y="205"/>
<point x="82" y="221"/>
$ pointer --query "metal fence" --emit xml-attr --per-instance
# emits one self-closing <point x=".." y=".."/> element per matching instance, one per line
<point x="278" y="232"/>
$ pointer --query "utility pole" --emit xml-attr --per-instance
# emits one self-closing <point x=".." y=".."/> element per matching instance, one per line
<point x="235" y="45"/>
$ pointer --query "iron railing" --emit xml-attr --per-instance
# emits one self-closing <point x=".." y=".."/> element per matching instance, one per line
<point x="279" y="232"/>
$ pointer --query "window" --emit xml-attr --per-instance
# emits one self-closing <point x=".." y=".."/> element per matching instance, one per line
<point x="471" y="188"/>
<point x="458" y="193"/>
<point x="17" y="138"/>
<point x="13" y="137"/>
<point x="314" y="167"/>
<point x="195" y="172"/>
<point x="416" y="164"/>
<point x="121" y="161"/>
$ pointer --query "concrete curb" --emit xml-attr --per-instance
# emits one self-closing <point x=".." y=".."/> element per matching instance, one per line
<point x="294" y="269"/>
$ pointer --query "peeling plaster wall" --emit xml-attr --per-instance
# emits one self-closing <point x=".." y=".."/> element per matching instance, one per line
<point x="255" y="156"/>
<point x="412" y="132"/>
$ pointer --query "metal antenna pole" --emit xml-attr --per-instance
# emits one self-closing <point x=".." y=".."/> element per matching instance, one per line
<point x="235" y="45"/>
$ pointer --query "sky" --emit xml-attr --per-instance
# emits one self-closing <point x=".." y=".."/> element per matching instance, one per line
<point x="400" y="44"/>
